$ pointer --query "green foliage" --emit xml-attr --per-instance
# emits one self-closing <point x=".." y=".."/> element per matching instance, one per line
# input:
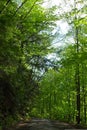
<point x="63" y="91"/>
<point x="24" y="37"/>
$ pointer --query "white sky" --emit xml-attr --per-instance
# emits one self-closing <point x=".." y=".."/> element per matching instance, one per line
<point x="66" y="5"/>
<point x="63" y="25"/>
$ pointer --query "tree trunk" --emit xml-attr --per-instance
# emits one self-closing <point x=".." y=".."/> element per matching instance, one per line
<point x="77" y="80"/>
<point x="84" y="92"/>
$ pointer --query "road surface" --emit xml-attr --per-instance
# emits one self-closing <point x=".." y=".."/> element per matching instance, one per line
<point x="43" y="124"/>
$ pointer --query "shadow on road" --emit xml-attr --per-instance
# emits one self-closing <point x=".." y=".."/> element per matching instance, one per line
<point x="43" y="124"/>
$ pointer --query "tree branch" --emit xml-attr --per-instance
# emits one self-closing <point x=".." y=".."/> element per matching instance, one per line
<point x="8" y="1"/>
<point x="30" y="9"/>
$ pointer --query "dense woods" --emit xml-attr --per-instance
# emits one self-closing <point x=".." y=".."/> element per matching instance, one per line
<point x="31" y="83"/>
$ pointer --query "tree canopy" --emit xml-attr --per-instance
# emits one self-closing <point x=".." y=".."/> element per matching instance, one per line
<point x="32" y="84"/>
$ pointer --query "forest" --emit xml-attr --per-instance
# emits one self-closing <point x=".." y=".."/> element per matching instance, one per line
<point x="38" y="77"/>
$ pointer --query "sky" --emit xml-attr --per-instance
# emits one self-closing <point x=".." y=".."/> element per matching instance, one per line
<point x="67" y="5"/>
<point x="62" y="25"/>
<point x="49" y="3"/>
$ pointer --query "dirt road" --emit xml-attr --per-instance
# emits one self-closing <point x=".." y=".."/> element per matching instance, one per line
<point x="43" y="124"/>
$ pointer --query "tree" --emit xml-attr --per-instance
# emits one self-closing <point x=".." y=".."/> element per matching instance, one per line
<point x="72" y="59"/>
<point x="25" y="37"/>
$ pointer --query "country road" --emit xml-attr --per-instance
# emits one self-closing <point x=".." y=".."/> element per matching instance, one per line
<point x="43" y="124"/>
